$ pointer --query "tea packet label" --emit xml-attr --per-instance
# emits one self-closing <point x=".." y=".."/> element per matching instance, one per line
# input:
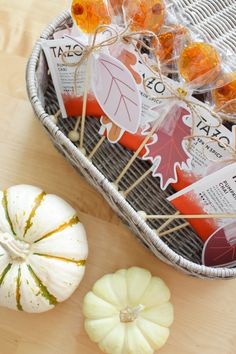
<point x="203" y="151"/>
<point x="214" y="194"/>
<point x="69" y="88"/>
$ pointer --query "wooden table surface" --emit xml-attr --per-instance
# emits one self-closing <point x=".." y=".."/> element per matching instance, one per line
<point x="205" y="311"/>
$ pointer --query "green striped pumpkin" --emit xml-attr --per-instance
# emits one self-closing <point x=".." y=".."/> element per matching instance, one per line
<point x="43" y="249"/>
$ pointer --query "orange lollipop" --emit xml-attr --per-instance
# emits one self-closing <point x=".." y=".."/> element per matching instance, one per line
<point x="199" y="63"/>
<point x="225" y="92"/>
<point x="145" y="14"/>
<point x="117" y="6"/>
<point x="89" y="14"/>
<point x="169" y="40"/>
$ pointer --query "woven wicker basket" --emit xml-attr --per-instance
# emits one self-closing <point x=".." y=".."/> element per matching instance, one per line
<point x="216" y="21"/>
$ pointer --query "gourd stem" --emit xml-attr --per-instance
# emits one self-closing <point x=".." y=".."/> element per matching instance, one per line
<point x="130" y="314"/>
<point x="15" y="248"/>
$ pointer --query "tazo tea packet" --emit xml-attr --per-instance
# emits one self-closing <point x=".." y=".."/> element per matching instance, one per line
<point x="69" y="89"/>
<point x="207" y="145"/>
<point x="214" y="194"/>
<point x="203" y="149"/>
<point x="151" y="90"/>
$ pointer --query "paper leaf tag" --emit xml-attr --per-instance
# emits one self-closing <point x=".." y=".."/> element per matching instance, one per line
<point x="116" y="91"/>
<point x="168" y="149"/>
<point x="220" y="249"/>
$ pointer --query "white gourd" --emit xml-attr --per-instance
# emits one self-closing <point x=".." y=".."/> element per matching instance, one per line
<point x="128" y="312"/>
<point x="43" y="249"/>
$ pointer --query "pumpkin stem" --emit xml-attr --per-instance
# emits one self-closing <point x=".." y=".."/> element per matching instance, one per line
<point x="130" y="314"/>
<point x="15" y="248"/>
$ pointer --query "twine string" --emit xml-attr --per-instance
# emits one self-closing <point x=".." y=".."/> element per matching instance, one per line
<point x="193" y="106"/>
<point x="211" y="139"/>
<point x="171" y="218"/>
<point x="115" y="37"/>
<point x="86" y="51"/>
<point x="225" y="116"/>
<point x="132" y="38"/>
<point x="181" y="95"/>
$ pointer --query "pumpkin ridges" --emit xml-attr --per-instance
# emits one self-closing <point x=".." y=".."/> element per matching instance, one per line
<point x="107" y="310"/>
<point x="18" y="294"/>
<point x="4" y="273"/>
<point x="79" y="262"/>
<point x="37" y="202"/>
<point x="46" y="282"/>
<point x="134" y="331"/>
<point x="73" y="221"/>
<point x="153" y="339"/>
<point x="5" y="207"/>
<point x="130" y="280"/>
<point x="131" y="335"/>
<point x="89" y="323"/>
<point x="109" y="295"/>
<point x="121" y="330"/>
<point x="125" y="340"/>
<point x="166" y="307"/>
<point x="123" y="298"/>
<point x="43" y="289"/>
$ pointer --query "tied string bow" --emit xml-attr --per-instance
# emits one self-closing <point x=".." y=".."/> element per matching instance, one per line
<point x="85" y="53"/>
<point x="182" y="95"/>
<point x="179" y="94"/>
<point x="114" y="37"/>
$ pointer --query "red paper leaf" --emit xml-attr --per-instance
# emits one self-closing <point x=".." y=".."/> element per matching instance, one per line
<point x="117" y="92"/>
<point x="167" y="151"/>
<point x="219" y="250"/>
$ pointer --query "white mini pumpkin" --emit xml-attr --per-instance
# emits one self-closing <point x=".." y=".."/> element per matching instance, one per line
<point x="128" y="312"/>
<point x="43" y="249"/>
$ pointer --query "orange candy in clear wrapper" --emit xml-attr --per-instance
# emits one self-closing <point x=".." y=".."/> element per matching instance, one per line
<point x="145" y="14"/>
<point x="169" y="40"/>
<point x="225" y="93"/>
<point x="199" y="64"/>
<point x="89" y="14"/>
<point x="117" y="6"/>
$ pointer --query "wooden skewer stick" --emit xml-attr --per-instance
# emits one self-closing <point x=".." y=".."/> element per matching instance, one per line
<point x="186" y="224"/>
<point x="77" y="123"/>
<point x="234" y="136"/>
<point x="93" y="152"/>
<point x="131" y="161"/>
<point x="170" y="231"/>
<point x="56" y="115"/>
<point x="194" y="216"/>
<point x="166" y="223"/>
<point x="87" y="76"/>
<point x="125" y="193"/>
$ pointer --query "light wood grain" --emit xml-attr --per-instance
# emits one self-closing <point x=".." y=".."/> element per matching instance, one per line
<point x="205" y="311"/>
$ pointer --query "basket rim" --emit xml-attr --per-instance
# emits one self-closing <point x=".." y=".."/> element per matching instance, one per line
<point x="172" y="258"/>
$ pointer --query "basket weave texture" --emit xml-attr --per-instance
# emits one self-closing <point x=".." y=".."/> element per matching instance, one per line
<point x="216" y="22"/>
